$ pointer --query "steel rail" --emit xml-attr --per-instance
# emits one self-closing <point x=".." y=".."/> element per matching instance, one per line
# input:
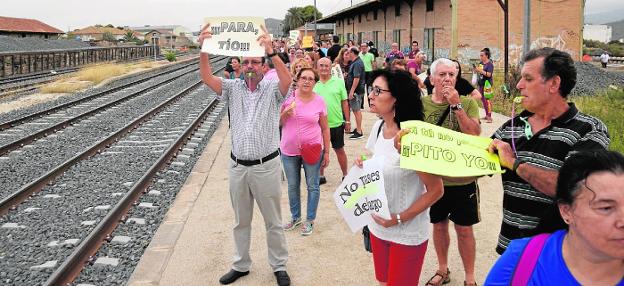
<point x="14" y="122"/>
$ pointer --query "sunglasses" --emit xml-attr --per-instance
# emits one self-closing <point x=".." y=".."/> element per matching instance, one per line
<point x="377" y="90"/>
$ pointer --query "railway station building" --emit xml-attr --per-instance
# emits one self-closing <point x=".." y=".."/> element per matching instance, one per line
<point x="460" y="29"/>
<point x="31" y="28"/>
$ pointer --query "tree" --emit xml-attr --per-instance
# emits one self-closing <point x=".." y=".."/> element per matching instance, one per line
<point x="108" y="36"/>
<point x="129" y="36"/>
<point x="297" y="16"/>
<point x="110" y="26"/>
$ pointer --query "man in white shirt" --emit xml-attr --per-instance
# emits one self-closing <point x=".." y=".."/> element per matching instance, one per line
<point x="604" y="59"/>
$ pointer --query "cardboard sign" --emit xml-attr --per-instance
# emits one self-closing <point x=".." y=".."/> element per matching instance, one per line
<point x="436" y="150"/>
<point x="307" y="42"/>
<point x="293" y="37"/>
<point x="234" y="36"/>
<point x="362" y="193"/>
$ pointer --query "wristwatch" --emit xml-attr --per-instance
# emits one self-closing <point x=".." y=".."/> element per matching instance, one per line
<point x="456" y="107"/>
<point x="272" y="54"/>
<point x="517" y="164"/>
<point x="398" y="217"/>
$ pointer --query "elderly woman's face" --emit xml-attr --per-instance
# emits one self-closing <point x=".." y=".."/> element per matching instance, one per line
<point x="306" y="81"/>
<point x="596" y="217"/>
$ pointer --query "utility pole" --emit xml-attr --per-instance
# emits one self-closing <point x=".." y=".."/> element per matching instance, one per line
<point x="527" y="27"/>
<point x="315" y="34"/>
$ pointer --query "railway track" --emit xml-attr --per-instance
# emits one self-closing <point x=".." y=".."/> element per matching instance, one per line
<point x="84" y="197"/>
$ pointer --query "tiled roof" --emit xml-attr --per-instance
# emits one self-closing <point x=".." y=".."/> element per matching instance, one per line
<point x="92" y="30"/>
<point x="26" y="25"/>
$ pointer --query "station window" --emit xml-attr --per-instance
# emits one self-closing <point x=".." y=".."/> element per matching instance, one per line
<point x="396" y="36"/>
<point x="375" y="37"/>
<point x="397" y="9"/>
<point x="338" y="23"/>
<point x="360" y="38"/>
<point x="375" y="15"/>
<point x="360" y="18"/>
<point x="429" y="5"/>
<point x="348" y="21"/>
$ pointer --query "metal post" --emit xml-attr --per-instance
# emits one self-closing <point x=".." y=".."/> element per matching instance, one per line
<point x="315" y="33"/>
<point x="527" y="27"/>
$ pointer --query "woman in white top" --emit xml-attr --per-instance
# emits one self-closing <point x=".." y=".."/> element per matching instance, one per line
<point x="399" y="244"/>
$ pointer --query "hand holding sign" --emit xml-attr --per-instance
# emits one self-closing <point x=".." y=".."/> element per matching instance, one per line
<point x="436" y="150"/>
<point x="362" y="193"/>
<point x="265" y="40"/>
<point x="234" y="36"/>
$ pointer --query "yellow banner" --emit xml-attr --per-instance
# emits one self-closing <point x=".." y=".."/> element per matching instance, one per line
<point x="433" y="149"/>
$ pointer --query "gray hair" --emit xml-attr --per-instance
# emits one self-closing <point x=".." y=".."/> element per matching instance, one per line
<point x="441" y="61"/>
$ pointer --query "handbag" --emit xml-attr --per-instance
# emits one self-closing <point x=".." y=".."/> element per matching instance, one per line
<point x="310" y="152"/>
<point x="365" y="230"/>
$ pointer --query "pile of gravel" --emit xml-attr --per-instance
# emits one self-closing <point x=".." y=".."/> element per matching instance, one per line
<point x="591" y="79"/>
<point x="12" y="44"/>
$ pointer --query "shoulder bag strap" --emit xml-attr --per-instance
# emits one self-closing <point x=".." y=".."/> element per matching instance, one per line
<point x="528" y="260"/>
<point x="379" y="130"/>
<point x="443" y="117"/>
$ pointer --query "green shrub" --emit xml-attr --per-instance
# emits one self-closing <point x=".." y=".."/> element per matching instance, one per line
<point x="170" y="56"/>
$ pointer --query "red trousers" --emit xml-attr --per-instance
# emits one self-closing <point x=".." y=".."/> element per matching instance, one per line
<point x="397" y="264"/>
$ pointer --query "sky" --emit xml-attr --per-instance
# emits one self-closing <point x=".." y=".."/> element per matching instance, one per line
<point x="188" y="13"/>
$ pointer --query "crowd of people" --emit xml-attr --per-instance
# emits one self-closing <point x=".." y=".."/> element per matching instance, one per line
<point x="560" y="179"/>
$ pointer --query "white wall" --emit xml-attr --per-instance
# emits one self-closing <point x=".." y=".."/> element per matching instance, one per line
<point x="600" y="33"/>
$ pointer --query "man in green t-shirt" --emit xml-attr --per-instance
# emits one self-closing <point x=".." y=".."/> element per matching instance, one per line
<point x="460" y="202"/>
<point x="334" y="92"/>
<point x="369" y="64"/>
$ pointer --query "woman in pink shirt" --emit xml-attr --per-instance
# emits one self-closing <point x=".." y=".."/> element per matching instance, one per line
<point x="305" y="141"/>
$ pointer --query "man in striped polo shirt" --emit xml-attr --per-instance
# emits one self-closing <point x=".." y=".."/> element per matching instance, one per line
<point x="544" y="135"/>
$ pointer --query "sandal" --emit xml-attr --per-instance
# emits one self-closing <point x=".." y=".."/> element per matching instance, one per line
<point x="444" y="278"/>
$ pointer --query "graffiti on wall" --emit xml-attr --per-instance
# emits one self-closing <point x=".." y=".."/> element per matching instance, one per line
<point x="559" y="42"/>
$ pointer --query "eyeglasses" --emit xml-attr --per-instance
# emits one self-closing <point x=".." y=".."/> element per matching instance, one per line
<point x="253" y="62"/>
<point x="377" y="90"/>
<point x="307" y="79"/>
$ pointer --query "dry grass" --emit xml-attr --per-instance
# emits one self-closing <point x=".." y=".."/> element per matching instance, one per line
<point x="99" y="73"/>
<point x="65" y="87"/>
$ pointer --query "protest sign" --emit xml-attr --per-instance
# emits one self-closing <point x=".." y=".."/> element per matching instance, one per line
<point x="234" y="36"/>
<point x="293" y="37"/>
<point x="307" y="42"/>
<point x="362" y="193"/>
<point x="433" y="149"/>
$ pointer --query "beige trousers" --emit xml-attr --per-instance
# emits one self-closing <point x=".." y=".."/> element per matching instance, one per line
<point x="260" y="183"/>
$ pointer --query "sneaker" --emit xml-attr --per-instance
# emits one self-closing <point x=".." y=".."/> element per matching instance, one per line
<point x="293" y="224"/>
<point x="322" y="180"/>
<point x="307" y="228"/>
<point x="356" y="136"/>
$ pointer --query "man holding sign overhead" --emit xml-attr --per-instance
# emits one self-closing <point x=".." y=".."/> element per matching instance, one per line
<point x="254" y="104"/>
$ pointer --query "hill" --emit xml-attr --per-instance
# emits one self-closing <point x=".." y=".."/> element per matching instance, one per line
<point x="605" y="17"/>
<point x="617" y="29"/>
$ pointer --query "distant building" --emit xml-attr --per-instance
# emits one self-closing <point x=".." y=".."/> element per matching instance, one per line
<point x="460" y="29"/>
<point x="96" y="33"/>
<point x="323" y="30"/>
<point x="601" y="33"/>
<point x="22" y="28"/>
<point x="275" y="27"/>
<point x="176" y="30"/>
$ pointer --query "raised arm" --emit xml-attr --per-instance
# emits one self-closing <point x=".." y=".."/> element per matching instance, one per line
<point x="205" y="69"/>
<point x="282" y="71"/>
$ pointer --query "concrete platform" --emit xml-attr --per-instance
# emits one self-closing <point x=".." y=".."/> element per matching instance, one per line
<point x="194" y="245"/>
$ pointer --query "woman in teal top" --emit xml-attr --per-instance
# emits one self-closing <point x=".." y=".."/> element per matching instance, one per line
<point x="590" y="199"/>
<point x="236" y="72"/>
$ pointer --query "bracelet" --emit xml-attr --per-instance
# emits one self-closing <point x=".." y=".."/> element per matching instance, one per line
<point x="517" y="164"/>
<point x="398" y="217"/>
<point x="272" y="54"/>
